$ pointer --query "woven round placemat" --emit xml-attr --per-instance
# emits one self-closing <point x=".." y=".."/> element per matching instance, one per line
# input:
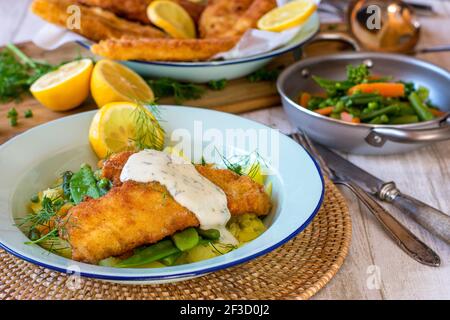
<point x="297" y="270"/>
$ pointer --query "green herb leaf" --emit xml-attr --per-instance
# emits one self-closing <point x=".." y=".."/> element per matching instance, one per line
<point x="18" y="72"/>
<point x="217" y="84"/>
<point x="82" y="184"/>
<point x="166" y="87"/>
<point x="28" y="113"/>
<point x="265" y="74"/>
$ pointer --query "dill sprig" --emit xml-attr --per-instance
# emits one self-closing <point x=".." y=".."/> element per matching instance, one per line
<point x="44" y="216"/>
<point x="227" y="246"/>
<point x="181" y="91"/>
<point x="242" y="164"/>
<point x="43" y="219"/>
<point x="18" y="72"/>
<point x="147" y="128"/>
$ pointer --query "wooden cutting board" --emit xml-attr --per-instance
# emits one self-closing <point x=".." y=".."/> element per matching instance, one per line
<point x="238" y="96"/>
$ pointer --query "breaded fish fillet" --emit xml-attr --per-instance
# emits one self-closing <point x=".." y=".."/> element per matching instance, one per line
<point x="230" y="18"/>
<point x="136" y="10"/>
<point x="95" y="23"/>
<point x="134" y="214"/>
<point x="220" y="16"/>
<point x="128" y="216"/>
<point x="162" y="49"/>
<point x="249" y="19"/>
<point x="243" y="194"/>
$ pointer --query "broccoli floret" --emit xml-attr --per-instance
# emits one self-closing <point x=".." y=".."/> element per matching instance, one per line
<point x="423" y="93"/>
<point x="358" y="74"/>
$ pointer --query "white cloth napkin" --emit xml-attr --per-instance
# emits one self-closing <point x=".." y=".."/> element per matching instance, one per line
<point x="253" y="42"/>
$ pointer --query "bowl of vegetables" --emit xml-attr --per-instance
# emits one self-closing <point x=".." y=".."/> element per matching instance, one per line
<point x="368" y="103"/>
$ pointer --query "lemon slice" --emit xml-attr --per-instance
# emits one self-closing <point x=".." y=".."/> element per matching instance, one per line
<point x="172" y="18"/>
<point x="65" y="88"/>
<point x="113" y="82"/>
<point x="287" y="16"/>
<point x="121" y="126"/>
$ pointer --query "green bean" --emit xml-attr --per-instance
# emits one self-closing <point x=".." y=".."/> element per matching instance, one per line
<point x="212" y="234"/>
<point x="380" y="119"/>
<point x="170" y="260"/>
<point x="152" y="253"/>
<point x="186" y="239"/>
<point x="361" y="99"/>
<point x="109" y="262"/>
<point x="405" y="119"/>
<point x="379" y="112"/>
<point x="421" y="108"/>
<point x="405" y="108"/>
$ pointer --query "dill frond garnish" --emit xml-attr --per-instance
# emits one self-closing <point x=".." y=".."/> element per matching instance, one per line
<point x="43" y="218"/>
<point x="249" y="164"/>
<point x="43" y="221"/>
<point x="226" y="246"/>
<point x="147" y="128"/>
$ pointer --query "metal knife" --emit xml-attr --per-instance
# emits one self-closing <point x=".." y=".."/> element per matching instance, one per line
<point x="430" y="218"/>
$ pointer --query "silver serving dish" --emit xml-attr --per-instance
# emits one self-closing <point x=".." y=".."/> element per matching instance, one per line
<point x="366" y="138"/>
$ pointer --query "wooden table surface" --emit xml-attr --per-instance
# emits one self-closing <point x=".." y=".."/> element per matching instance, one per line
<point x="375" y="267"/>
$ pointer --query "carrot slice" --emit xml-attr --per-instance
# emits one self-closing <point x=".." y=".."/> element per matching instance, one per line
<point x="386" y="89"/>
<point x="356" y="120"/>
<point x="325" y="111"/>
<point x="304" y="99"/>
<point x="437" y="113"/>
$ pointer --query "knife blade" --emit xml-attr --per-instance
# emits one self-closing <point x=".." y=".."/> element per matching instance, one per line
<point x="428" y="217"/>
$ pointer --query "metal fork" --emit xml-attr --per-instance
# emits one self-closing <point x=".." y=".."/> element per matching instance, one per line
<point x="404" y="238"/>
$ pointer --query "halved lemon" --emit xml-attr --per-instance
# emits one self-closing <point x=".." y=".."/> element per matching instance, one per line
<point x="172" y="18"/>
<point x="112" y="82"/>
<point x="121" y="126"/>
<point x="65" y="88"/>
<point x="287" y="16"/>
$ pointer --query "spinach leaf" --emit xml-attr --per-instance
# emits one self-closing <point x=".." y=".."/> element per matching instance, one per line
<point x="83" y="184"/>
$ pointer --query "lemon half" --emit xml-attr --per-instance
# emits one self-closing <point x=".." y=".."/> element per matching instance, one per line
<point x="121" y="126"/>
<point x="172" y="18"/>
<point x="287" y="16"/>
<point x="112" y="82"/>
<point x="65" y="88"/>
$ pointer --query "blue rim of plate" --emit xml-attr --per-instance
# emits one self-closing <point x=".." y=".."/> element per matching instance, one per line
<point x="187" y="274"/>
<point x="219" y="63"/>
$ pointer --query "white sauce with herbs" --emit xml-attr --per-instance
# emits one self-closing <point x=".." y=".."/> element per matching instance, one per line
<point x="188" y="187"/>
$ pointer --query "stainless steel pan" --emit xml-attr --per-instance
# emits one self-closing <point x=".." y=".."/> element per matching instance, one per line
<point x="366" y="138"/>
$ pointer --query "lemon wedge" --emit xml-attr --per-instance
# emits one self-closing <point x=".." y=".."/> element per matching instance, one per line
<point x="65" y="88"/>
<point x="112" y="82"/>
<point x="287" y="16"/>
<point x="172" y="18"/>
<point x="121" y="126"/>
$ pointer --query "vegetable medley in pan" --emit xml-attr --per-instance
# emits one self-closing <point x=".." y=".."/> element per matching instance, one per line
<point x="367" y="98"/>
